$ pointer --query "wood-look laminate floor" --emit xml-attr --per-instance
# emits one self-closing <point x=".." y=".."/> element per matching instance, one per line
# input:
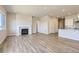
<point x="39" y="43"/>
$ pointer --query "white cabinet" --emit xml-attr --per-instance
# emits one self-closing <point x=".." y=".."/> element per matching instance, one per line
<point x="72" y="21"/>
<point x="69" y="23"/>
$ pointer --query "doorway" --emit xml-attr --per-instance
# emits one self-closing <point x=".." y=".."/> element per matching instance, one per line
<point x="61" y="23"/>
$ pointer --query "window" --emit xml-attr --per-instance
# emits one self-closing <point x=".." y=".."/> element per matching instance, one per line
<point x="2" y="21"/>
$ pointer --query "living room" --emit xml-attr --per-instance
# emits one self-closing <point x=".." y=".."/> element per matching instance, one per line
<point x="39" y="29"/>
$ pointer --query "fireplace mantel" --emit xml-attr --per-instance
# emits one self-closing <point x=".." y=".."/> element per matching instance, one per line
<point x="19" y="28"/>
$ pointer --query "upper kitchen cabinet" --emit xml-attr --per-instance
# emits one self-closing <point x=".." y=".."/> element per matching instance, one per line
<point x="71" y="21"/>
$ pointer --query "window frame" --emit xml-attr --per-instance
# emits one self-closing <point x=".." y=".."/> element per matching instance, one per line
<point x="3" y="13"/>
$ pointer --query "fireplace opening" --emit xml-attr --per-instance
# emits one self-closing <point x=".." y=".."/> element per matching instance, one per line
<point x="24" y="31"/>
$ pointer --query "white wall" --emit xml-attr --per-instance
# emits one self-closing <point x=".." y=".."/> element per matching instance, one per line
<point x="11" y="24"/>
<point x="43" y="25"/>
<point x="2" y="9"/>
<point x="3" y="36"/>
<point x="3" y="33"/>
<point x="18" y="20"/>
<point x="24" y="20"/>
<point x="35" y="24"/>
<point x="48" y="25"/>
<point x="53" y="25"/>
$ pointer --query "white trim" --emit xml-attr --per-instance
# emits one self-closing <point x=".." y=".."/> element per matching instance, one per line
<point x="5" y="18"/>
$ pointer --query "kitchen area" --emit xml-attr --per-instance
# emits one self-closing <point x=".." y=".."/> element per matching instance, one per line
<point x="71" y="28"/>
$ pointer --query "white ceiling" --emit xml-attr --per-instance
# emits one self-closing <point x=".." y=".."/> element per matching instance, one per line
<point x="42" y="10"/>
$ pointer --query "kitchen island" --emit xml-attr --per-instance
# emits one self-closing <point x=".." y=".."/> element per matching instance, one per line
<point x="69" y="33"/>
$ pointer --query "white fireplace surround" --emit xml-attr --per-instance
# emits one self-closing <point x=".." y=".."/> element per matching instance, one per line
<point x="19" y="28"/>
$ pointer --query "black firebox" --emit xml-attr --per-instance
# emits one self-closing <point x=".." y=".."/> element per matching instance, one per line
<point x="24" y="31"/>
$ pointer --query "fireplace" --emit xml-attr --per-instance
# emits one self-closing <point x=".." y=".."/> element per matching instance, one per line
<point x="24" y="31"/>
